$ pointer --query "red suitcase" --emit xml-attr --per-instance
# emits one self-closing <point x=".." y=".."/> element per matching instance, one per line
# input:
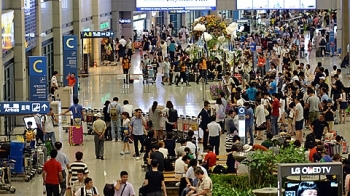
<point x="76" y="135"/>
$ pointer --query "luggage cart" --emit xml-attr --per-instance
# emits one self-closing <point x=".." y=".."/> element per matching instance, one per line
<point x="151" y="75"/>
<point x="5" y="175"/>
<point x="41" y="157"/>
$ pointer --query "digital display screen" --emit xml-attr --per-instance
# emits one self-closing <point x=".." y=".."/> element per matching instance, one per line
<point x="30" y="119"/>
<point x="168" y="5"/>
<point x="276" y="4"/>
<point x="260" y="4"/>
<point x="319" y="188"/>
<point x="244" y="5"/>
<point x="241" y="127"/>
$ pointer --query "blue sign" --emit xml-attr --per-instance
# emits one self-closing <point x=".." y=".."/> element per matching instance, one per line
<point x="37" y="78"/>
<point x="70" y="58"/>
<point x="24" y="107"/>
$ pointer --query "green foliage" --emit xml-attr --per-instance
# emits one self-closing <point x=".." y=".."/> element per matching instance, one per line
<point x="231" y="185"/>
<point x="263" y="164"/>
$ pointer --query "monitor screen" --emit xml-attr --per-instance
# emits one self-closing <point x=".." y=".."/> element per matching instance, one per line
<point x="30" y="119"/>
<point x="244" y="5"/>
<point x="168" y="5"/>
<point x="276" y="4"/>
<point x="307" y="4"/>
<point x="291" y="4"/>
<point x="260" y="4"/>
<point x="319" y="188"/>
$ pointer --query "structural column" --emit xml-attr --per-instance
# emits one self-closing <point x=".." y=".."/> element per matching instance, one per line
<point x="37" y="51"/>
<point x="149" y="20"/>
<point x="343" y="25"/>
<point x="77" y="27"/>
<point x="57" y="36"/>
<point x="166" y="18"/>
<point x="96" y="20"/>
<point x="115" y="18"/>
<point x="2" y="80"/>
<point x="21" y="87"/>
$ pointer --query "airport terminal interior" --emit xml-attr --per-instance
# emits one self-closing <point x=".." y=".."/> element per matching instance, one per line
<point x="102" y="81"/>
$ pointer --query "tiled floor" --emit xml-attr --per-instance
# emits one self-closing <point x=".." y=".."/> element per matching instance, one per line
<point x="98" y="88"/>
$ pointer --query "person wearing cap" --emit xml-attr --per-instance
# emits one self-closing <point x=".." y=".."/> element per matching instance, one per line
<point x="54" y="84"/>
<point x="99" y="127"/>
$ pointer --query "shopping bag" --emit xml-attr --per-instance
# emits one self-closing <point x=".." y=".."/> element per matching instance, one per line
<point x="69" y="191"/>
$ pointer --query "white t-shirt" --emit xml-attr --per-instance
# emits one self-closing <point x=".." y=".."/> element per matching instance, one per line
<point x="192" y="147"/>
<point x="300" y="110"/>
<point x="129" y="109"/>
<point x="214" y="129"/>
<point x="180" y="166"/>
<point x="126" y="122"/>
<point x="89" y="192"/>
<point x="54" y="81"/>
<point x="190" y="172"/>
<point x="48" y="124"/>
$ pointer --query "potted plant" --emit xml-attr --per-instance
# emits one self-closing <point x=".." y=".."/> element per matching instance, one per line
<point x="231" y="185"/>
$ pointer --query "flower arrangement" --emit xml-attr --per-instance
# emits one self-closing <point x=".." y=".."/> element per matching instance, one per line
<point x="213" y="25"/>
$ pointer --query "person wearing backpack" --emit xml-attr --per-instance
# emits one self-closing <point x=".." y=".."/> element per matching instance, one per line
<point x="220" y="112"/>
<point x="114" y="111"/>
<point x="323" y="43"/>
<point x="171" y="116"/>
<point x="88" y="189"/>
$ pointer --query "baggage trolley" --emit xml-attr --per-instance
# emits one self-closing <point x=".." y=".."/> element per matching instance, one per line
<point x="5" y="175"/>
<point x="151" y="75"/>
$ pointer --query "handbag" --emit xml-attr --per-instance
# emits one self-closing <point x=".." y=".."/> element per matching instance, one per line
<point x="69" y="191"/>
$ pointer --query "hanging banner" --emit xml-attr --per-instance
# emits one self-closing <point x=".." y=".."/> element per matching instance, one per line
<point x="70" y="60"/>
<point x="37" y="78"/>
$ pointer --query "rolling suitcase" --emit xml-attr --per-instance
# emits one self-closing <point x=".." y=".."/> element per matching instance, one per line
<point x="318" y="53"/>
<point x="76" y="135"/>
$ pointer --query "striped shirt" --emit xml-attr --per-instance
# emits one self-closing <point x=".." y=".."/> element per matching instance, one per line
<point x="75" y="167"/>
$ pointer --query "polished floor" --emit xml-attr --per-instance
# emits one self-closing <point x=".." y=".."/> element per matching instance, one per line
<point x="102" y="86"/>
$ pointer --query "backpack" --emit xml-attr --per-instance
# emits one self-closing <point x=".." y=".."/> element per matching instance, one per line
<point x="219" y="169"/>
<point x="113" y="112"/>
<point x="221" y="112"/>
<point x="172" y="115"/>
<point x="108" y="190"/>
<point x="323" y="42"/>
<point x="168" y="166"/>
<point x="82" y="192"/>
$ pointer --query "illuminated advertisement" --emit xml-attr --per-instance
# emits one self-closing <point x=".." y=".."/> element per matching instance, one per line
<point x="274" y="4"/>
<point x="245" y="5"/>
<point x="168" y="5"/>
<point x="8" y="30"/>
<point x="260" y="4"/>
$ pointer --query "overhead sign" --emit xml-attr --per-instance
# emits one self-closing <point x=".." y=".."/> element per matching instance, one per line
<point x="125" y="21"/>
<point x="96" y="34"/>
<point x="37" y="78"/>
<point x="24" y="108"/>
<point x="167" y="5"/>
<point x="70" y="59"/>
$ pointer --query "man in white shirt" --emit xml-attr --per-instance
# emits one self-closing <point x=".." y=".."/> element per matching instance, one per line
<point x="88" y="189"/>
<point x="123" y="187"/>
<point x="214" y="134"/>
<point x="191" y="146"/>
<point x="122" y="41"/>
<point x="190" y="177"/>
<point x="54" y="84"/>
<point x="128" y="108"/>
<point x="333" y="73"/>
<point x="181" y="165"/>
<point x="299" y="119"/>
<point x="80" y="182"/>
